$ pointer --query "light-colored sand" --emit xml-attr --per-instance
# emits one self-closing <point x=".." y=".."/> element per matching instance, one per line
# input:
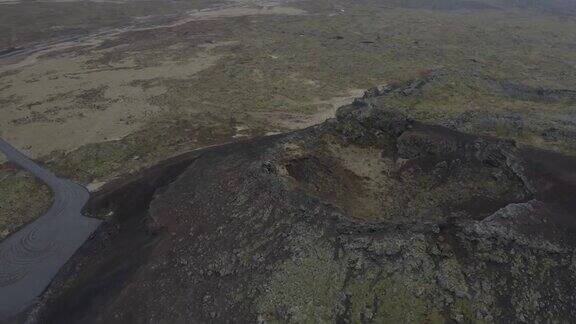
<point x="245" y="11"/>
<point x="297" y="121"/>
<point x="46" y="113"/>
<point x="42" y="97"/>
<point x="335" y="103"/>
<point x="32" y="56"/>
<point x="240" y="8"/>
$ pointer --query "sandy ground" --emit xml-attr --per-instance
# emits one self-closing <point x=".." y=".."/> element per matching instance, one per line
<point x="31" y="56"/>
<point x="57" y="102"/>
<point x="292" y="121"/>
<point x="245" y="11"/>
<point x="47" y="115"/>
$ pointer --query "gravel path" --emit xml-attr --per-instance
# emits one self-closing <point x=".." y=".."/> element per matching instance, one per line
<point x="31" y="257"/>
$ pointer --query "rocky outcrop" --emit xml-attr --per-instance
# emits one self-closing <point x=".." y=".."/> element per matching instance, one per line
<point x="372" y="217"/>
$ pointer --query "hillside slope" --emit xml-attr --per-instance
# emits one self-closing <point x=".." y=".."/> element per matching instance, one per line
<point x="371" y="217"/>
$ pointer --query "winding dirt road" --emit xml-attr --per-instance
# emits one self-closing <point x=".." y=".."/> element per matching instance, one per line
<point x="31" y="257"/>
